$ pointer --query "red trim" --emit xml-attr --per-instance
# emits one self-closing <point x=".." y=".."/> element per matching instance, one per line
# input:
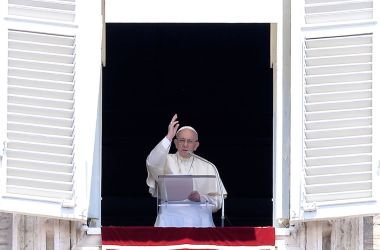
<point x="161" y="236"/>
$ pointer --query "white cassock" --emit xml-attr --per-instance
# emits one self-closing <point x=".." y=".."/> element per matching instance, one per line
<point x="160" y="162"/>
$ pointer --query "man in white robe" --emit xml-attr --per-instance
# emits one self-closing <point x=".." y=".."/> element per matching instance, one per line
<point x="184" y="162"/>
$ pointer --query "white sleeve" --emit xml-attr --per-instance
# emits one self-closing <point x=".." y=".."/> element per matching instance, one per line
<point x="157" y="156"/>
<point x="155" y="163"/>
<point x="215" y="200"/>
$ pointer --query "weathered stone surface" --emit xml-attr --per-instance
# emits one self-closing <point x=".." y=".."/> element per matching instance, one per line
<point x="38" y="233"/>
<point x="5" y="231"/>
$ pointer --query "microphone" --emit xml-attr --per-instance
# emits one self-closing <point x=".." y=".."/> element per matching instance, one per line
<point x="218" y="179"/>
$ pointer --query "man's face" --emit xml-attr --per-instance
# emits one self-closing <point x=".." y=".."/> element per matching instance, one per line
<point x="186" y="142"/>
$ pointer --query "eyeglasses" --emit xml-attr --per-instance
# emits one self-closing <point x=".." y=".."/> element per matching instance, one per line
<point x="189" y="141"/>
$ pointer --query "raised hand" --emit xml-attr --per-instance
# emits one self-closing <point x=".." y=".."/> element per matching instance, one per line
<point x="172" y="128"/>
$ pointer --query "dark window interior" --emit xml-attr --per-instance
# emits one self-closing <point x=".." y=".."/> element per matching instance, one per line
<point x="217" y="78"/>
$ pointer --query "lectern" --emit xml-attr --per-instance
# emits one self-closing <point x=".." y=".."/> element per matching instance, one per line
<point x="175" y="209"/>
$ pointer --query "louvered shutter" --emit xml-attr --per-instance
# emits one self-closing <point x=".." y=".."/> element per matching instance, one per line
<point x="338" y="163"/>
<point x="46" y="169"/>
<point x="338" y="118"/>
<point x="40" y="124"/>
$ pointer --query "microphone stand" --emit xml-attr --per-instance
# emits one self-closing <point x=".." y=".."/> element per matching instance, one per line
<point x="219" y="184"/>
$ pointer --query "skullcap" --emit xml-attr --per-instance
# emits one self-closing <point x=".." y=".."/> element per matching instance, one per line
<point x="187" y="127"/>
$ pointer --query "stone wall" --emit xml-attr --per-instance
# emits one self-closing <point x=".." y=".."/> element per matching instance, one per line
<point x="36" y="233"/>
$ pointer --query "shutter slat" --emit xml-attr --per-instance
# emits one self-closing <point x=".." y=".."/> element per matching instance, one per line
<point x="339" y="169"/>
<point x="40" y="47"/>
<point x="40" y="120"/>
<point x="39" y="56"/>
<point x="340" y="16"/>
<point x="39" y="129"/>
<point x="336" y="133"/>
<point x="41" y="74"/>
<point x="339" y="123"/>
<point x="42" y="148"/>
<point x="38" y="156"/>
<point x="40" y="102"/>
<point x="338" y="96"/>
<point x="40" y="165"/>
<point x="337" y="6"/>
<point x="338" y="51"/>
<point x="36" y="174"/>
<point x="323" y="103"/>
<point x="337" y="160"/>
<point x="41" y="111"/>
<point x="339" y="87"/>
<point x="338" y="187"/>
<point x="325" y="12"/>
<point x="38" y="183"/>
<point x="39" y="83"/>
<point x="29" y="64"/>
<point x="41" y="13"/>
<point x="20" y="190"/>
<point x="338" y="150"/>
<point x="337" y="78"/>
<point x="333" y="142"/>
<point x="40" y="92"/>
<point x="338" y="68"/>
<point x="325" y="61"/>
<point x="336" y="196"/>
<point x="40" y="138"/>
<point x="336" y="41"/>
<point x="344" y="114"/>
<point x="41" y="38"/>
<point x="338" y="178"/>
<point x="59" y="5"/>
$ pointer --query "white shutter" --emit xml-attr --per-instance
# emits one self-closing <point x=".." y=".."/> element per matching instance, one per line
<point x="40" y="124"/>
<point x="334" y="171"/>
<point x="338" y="118"/>
<point x="50" y="59"/>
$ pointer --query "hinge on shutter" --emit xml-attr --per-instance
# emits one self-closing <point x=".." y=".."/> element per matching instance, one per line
<point x="309" y="207"/>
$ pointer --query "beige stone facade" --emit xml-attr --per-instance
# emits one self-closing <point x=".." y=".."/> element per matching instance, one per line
<point x="37" y="233"/>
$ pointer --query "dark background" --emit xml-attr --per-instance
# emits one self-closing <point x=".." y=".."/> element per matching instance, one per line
<point x="217" y="78"/>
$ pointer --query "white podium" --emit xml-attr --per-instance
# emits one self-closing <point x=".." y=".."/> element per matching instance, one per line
<point x="173" y="206"/>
